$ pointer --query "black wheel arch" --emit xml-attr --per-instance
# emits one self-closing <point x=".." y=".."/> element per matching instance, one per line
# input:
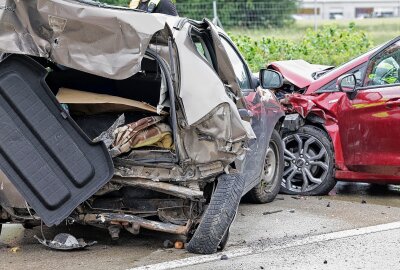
<point x="279" y="124"/>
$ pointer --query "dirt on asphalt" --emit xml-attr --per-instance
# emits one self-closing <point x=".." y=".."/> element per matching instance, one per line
<point x="289" y="217"/>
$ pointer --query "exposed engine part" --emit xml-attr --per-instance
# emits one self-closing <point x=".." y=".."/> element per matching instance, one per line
<point x="134" y="206"/>
<point x="315" y="119"/>
<point x="111" y="218"/>
<point x="194" y="186"/>
<point x="129" y="169"/>
<point x="174" y="215"/>
<point x="114" y="231"/>
<point x="174" y="190"/>
<point x="107" y="188"/>
<point x="293" y="122"/>
<point x="133" y="229"/>
<point x="17" y="216"/>
<point x="4" y="215"/>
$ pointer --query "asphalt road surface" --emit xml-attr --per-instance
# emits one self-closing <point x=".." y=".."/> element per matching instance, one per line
<point x="356" y="227"/>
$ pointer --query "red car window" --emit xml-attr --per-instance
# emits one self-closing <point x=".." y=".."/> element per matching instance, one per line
<point x="384" y="68"/>
<point x="358" y="72"/>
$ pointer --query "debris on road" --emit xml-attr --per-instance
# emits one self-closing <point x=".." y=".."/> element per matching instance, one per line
<point x="332" y="192"/>
<point x="168" y="244"/>
<point x="224" y="258"/>
<point x="279" y="199"/>
<point x="272" y="212"/>
<point x="179" y="245"/>
<point x="325" y="262"/>
<point x="329" y="204"/>
<point x="292" y="211"/>
<point x="64" y="241"/>
<point x="364" y="202"/>
<point x="15" y="249"/>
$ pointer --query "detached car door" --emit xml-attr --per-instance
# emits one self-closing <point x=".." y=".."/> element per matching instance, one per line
<point x="371" y="119"/>
<point x="42" y="151"/>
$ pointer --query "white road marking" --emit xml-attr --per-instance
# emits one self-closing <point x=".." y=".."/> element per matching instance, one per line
<point x="240" y="252"/>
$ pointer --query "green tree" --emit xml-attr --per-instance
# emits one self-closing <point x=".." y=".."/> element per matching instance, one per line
<point x="330" y="45"/>
<point x="120" y="2"/>
<point x="116" y="2"/>
<point x="243" y="13"/>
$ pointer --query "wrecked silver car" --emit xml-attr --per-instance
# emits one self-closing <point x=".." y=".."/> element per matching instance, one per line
<point x="124" y="120"/>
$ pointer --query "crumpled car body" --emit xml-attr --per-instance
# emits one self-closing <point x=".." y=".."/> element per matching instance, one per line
<point x="299" y="72"/>
<point x="362" y="126"/>
<point x="116" y="118"/>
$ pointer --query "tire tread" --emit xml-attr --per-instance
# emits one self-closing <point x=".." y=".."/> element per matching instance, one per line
<point x="219" y="215"/>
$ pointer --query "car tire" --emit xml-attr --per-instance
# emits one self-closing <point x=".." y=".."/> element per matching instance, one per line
<point x="213" y="231"/>
<point x="224" y="240"/>
<point x="309" y="162"/>
<point x="271" y="180"/>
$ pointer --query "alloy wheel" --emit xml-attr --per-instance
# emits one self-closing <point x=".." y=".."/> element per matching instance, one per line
<point x="270" y="166"/>
<point x="306" y="163"/>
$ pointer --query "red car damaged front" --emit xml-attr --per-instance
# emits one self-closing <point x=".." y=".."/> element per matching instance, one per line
<point x="341" y="131"/>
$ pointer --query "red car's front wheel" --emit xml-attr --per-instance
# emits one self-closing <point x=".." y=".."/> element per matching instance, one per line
<point x="309" y="162"/>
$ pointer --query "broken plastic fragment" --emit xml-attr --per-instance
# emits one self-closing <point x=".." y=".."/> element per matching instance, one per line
<point x="64" y="241"/>
<point x="102" y="218"/>
<point x="179" y="245"/>
<point x="15" y="249"/>
<point x="168" y="244"/>
<point x="108" y="136"/>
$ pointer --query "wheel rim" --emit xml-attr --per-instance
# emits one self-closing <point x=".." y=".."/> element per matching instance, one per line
<point x="306" y="163"/>
<point x="270" y="167"/>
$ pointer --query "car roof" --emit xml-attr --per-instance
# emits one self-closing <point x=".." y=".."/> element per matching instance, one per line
<point x="85" y="35"/>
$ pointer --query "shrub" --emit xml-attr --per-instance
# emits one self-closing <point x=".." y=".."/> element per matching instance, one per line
<point x="328" y="46"/>
<point x="244" y="13"/>
<point x="124" y="3"/>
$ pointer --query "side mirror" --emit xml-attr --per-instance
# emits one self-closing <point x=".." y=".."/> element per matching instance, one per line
<point x="270" y="79"/>
<point x="347" y="83"/>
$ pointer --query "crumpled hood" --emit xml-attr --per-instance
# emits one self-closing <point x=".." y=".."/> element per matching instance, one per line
<point x="298" y="72"/>
<point x="108" y="42"/>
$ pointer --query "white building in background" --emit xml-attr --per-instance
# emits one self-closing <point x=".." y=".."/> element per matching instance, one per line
<point x="345" y="9"/>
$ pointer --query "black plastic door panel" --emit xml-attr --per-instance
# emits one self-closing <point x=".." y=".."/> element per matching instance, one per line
<point x="42" y="151"/>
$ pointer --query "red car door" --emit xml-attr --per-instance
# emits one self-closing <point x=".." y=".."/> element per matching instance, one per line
<point x="369" y="121"/>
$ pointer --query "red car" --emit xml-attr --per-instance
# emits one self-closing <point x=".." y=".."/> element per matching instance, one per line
<point x="343" y="123"/>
